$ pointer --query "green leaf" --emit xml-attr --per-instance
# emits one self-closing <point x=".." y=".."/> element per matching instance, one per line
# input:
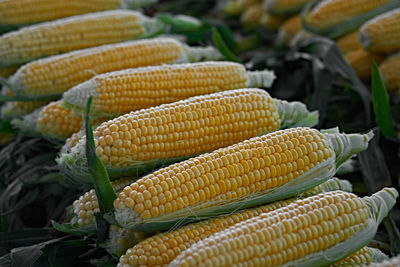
<point x="101" y="182"/>
<point x="222" y="47"/>
<point x="180" y="23"/>
<point x="5" y="127"/>
<point x="227" y="35"/>
<point x="72" y="230"/>
<point x="380" y="101"/>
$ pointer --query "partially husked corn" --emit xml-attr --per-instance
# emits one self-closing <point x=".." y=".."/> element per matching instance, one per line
<point x="72" y="33"/>
<point x="57" y="74"/>
<point x="260" y="170"/>
<point x="87" y="204"/>
<point x="117" y="93"/>
<point x="14" y="12"/>
<point x="349" y="42"/>
<point x="176" y="131"/>
<point x="289" y="29"/>
<point x="362" y="257"/>
<point x="361" y="61"/>
<point x="284" y="7"/>
<point x="163" y="248"/>
<point x="389" y="70"/>
<point x="329" y="14"/>
<point x="382" y="33"/>
<point x="319" y="230"/>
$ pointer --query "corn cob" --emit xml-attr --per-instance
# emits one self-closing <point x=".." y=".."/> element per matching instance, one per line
<point x="389" y="70"/>
<point x="382" y="34"/>
<point x="362" y="257"/>
<point x="316" y="231"/>
<point x="335" y="18"/>
<point x="51" y="121"/>
<point x="150" y="137"/>
<point x="162" y="248"/>
<point x="11" y="110"/>
<point x="7" y="71"/>
<point x="56" y="74"/>
<point x="349" y="42"/>
<point x="284" y="7"/>
<point x="361" y="61"/>
<point x="236" y="7"/>
<point x="72" y="33"/>
<point x="392" y="262"/>
<point x="271" y="22"/>
<point x="289" y="29"/>
<point x="257" y="171"/>
<point x="120" y="92"/>
<point x="251" y="16"/>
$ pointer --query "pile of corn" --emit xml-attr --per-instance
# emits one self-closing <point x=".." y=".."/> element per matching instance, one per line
<point x="243" y="177"/>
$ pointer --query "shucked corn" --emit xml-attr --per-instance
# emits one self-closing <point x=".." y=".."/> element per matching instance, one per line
<point x="389" y="69"/>
<point x="120" y="92"/>
<point x="56" y="74"/>
<point x="163" y="248"/>
<point x="316" y="231"/>
<point x="257" y="171"/>
<point x="72" y="33"/>
<point x="382" y="34"/>
<point x="172" y="132"/>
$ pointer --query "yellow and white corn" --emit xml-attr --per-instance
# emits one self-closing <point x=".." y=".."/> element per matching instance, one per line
<point x="260" y="170"/>
<point x="288" y="30"/>
<point x="316" y="231"/>
<point x="72" y="33"/>
<point x="120" y="92"/>
<point x="389" y="70"/>
<point x="57" y="74"/>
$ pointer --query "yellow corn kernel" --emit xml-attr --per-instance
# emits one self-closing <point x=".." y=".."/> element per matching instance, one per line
<point x="87" y="204"/>
<point x="304" y="231"/>
<point x="121" y="239"/>
<point x="56" y="74"/>
<point x="382" y="33"/>
<point x="177" y="241"/>
<point x="72" y="33"/>
<point x="120" y="92"/>
<point x="329" y="13"/>
<point x="389" y="70"/>
<point x="361" y="61"/>
<point x="349" y="42"/>
<point x="284" y="7"/>
<point x="289" y="29"/>
<point x="362" y="257"/>
<point x="33" y="11"/>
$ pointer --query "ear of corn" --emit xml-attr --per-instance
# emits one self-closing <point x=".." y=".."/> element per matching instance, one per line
<point x="120" y="92"/>
<point x="147" y="138"/>
<point x="72" y="33"/>
<point x="316" y="231"/>
<point x="271" y="22"/>
<point x="51" y="121"/>
<point x="361" y="61"/>
<point x="236" y="7"/>
<point x="257" y="171"/>
<point x="334" y="18"/>
<point x="284" y="7"/>
<point x="382" y="33"/>
<point x="162" y="248"/>
<point x="288" y="30"/>
<point x="349" y="42"/>
<point x="362" y="257"/>
<point x="57" y="74"/>
<point x="389" y="70"/>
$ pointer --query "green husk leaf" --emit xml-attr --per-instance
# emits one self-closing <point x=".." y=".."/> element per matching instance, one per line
<point x="104" y="191"/>
<point x="180" y="23"/>
<point x="380" y="101"/>
<point x="5" y="127"/>
<point x="347" y="26"/>
<point x="222" y="47"/>
<point x="73" y="230"/>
